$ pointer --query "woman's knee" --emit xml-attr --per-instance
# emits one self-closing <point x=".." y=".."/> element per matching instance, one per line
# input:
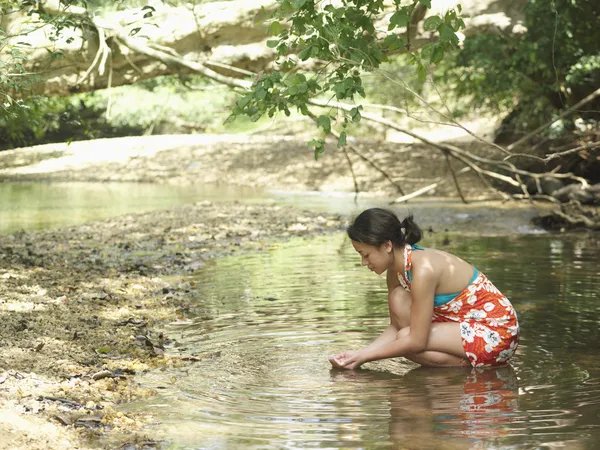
<point x="400" y="302"/>
<point x="438" y="359"/>
<point x="403" y="333"/>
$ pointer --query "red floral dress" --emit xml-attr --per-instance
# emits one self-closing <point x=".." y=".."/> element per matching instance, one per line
<point x="488" y="322"/>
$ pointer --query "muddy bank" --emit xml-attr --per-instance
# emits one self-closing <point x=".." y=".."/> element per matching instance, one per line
<point x="78" y="306"/>
<point x="277" y="162"/>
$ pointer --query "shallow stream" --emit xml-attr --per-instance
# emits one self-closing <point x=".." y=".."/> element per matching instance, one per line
<point x="36" y="206"/>
<point x="261" y="327"/>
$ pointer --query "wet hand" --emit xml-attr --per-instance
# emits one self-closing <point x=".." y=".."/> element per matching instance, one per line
<point x="348" y="360"/>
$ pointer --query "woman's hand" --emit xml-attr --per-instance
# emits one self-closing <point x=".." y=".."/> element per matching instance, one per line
<point x="351" y="359"/>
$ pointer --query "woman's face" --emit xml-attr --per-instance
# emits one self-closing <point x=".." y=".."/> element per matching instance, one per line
<point x="377" y="259"/>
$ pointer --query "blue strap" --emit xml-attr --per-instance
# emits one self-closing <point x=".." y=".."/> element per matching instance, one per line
<point x="442" y="299"/>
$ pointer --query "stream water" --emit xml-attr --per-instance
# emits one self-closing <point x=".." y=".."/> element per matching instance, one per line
<point x="37" y="206"/>
<point x="261" y="327"/>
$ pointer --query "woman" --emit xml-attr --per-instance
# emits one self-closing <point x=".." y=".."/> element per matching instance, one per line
<point x="443" y="311"/>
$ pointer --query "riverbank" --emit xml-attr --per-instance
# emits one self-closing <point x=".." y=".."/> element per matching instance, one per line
<point x="277" y="162"/>
<point x="78" y="306"/>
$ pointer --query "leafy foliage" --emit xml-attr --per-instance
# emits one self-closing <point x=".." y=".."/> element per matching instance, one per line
<point x="159" y="105"/>
<point x="555" y="64"/>
<point x="345" y="39"/>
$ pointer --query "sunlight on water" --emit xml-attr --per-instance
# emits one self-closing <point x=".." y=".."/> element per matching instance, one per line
<point x="262" y="326"/>
<point x="35" y="206"/>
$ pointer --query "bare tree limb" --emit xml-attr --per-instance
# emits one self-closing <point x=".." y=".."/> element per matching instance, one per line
<point x="590" y="146"/>
<point x="563" y="114"/>
<point x="455" y="178"/>
<point x="428" y="188"/>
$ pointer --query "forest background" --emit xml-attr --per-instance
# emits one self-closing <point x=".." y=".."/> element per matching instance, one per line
<point x="75" y="70"/>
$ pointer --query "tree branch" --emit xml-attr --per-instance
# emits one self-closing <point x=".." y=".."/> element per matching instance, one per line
<point x="563" y="114"/>
<point x="428" y="188"/>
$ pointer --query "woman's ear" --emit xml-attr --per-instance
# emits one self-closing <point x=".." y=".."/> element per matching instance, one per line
<point x="389" y="246"/>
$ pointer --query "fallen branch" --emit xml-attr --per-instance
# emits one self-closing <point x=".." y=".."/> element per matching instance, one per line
<point x="428" y="188"/>
<point x="565" y="113"/>
<point x="590" y="146"/>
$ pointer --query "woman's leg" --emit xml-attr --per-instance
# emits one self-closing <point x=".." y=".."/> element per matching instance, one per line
<point x="444" y="348"/>
<point x="400" y="302"/>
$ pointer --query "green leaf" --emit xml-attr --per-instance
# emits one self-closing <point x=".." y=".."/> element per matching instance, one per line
<point x="275" y="28"/>
<point x="447" y="34"/>
<point x="325" y="123"/>
<point x="243" y="102"/>
<point x="342" y="139"/>
<point x="437" y="54"/>
<point x="260" y="94"/>
<point x="298" y="3"/>
<point x="432" y="23"/>
<point x="302" y="88"/>
<point x="319" y="146"/>
<point x="305" y="54"/>
<point x="272" y="43"/>
<point x="399" y="19"/>
<point x="426" y="3"/>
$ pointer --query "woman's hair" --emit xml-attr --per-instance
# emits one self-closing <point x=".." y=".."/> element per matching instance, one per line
<point x="376" y="226"/>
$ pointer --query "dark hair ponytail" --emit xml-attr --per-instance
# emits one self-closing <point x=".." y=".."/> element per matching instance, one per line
<point x="412" y="231"/>
<point x="376" y="226"/>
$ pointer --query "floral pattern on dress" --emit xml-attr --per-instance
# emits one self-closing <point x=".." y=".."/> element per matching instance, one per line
<point x="489" y="327"/>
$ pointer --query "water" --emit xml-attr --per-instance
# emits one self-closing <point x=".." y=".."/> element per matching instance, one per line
<point x="36" y="206"/>
<point x="261" y="327"/>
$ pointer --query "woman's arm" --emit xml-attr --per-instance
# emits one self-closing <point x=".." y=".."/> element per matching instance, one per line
<point x="423" y="290"/>
<point x="388" y="335"/>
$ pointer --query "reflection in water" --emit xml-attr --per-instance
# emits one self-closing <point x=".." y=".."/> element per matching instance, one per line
<point x="263" y="325"/>
<point x="35" y="206"/>
<point x="427" y="405"/>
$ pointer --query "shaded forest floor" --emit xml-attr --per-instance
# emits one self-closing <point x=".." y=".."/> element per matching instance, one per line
<point x="79" y="304"/>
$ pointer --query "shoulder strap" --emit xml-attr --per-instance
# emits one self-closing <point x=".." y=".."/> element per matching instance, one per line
<point x="403" y="278"/>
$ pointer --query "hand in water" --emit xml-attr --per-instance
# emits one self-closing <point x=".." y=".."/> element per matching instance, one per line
<point x="347" y="360"/>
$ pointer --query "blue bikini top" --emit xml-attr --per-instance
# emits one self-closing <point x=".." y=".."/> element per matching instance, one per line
<point x="441" y="299"/>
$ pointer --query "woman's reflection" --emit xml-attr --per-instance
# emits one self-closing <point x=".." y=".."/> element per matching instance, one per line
<point x="428" y="406"/>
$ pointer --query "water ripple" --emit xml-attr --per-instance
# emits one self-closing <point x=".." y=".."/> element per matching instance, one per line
<point x="262" y="379"/>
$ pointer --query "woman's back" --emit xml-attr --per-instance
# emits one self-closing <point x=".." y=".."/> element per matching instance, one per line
<point x="453" y="274"/>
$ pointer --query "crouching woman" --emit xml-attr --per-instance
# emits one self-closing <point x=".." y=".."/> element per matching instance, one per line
<point x="443" y="311"/>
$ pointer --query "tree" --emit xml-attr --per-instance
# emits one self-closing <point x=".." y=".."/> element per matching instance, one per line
<point x="350" y="41"/>
<point x="316" y="58"/>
